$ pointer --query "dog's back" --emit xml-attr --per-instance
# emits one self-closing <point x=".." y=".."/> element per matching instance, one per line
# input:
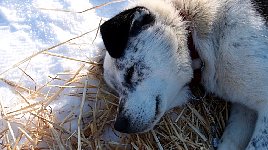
<point x="240" y="49"/>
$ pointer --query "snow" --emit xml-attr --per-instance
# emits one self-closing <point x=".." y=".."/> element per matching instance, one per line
<point x="28" y="26"/>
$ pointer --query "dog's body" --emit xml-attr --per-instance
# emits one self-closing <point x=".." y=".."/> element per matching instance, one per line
<point x="149" y="65"/>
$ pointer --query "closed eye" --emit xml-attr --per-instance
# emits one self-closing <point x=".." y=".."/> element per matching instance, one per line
<point x="129" y="75"/>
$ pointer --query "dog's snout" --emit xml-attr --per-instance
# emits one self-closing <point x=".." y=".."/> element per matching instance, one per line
<point x="122" y="124"/>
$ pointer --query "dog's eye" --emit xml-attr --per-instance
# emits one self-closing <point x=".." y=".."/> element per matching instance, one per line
<point x="129" y="74"/>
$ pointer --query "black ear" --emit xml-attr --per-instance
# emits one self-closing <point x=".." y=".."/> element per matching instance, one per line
<point x="116" y="31"/>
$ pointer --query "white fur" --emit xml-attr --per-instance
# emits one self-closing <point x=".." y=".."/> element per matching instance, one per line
<point x="231" y="39"/>
<point x="239" y="129"/>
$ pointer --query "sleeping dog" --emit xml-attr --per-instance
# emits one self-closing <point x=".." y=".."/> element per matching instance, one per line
<point x="149" y="63"/>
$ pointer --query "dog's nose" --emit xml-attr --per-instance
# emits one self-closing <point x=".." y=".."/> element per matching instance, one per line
<point x="122" y="124"/>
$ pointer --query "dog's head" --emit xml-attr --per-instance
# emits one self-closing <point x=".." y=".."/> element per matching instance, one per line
<point x="148" y="64"/>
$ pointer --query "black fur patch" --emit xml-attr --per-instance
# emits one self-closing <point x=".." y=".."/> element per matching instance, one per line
<point x="135" y="76"/>
<point x="157" y="105"/>
<point x="129" y="74"/>
<point x="116" y="31"/>
<point x="139" y="25"/>
<point x="262" y="7"/>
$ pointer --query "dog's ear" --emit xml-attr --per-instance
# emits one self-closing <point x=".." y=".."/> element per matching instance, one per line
<point x="116" y="31"/>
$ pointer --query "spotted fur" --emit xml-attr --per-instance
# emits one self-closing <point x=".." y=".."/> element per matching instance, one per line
<point x="148" y="62"/>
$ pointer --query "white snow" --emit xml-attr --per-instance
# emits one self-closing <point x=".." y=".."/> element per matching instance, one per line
<point x="28" y="26"/>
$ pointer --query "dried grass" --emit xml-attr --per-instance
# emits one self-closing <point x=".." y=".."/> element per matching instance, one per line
<point x="194" y="126"/>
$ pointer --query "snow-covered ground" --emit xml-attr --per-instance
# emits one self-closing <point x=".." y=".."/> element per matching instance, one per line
<point x="29" y="26"/>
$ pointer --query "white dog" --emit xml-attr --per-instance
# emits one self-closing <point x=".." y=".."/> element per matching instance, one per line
<point x="148" y="62"/>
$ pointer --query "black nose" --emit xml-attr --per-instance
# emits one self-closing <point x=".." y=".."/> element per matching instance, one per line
<point x="122" y="124"/>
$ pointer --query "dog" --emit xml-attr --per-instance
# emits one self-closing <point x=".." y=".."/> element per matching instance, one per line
<point x="150" y="63"/>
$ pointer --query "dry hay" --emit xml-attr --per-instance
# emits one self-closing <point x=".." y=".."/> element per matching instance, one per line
<point x="197" y="125"/>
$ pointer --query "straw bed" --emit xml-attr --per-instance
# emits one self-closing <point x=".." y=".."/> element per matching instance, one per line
<point x="197" y="125"/>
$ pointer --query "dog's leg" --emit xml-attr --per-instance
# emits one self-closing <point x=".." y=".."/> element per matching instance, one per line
<point x="259" y="140"/>
<point x="239" y="129"/>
